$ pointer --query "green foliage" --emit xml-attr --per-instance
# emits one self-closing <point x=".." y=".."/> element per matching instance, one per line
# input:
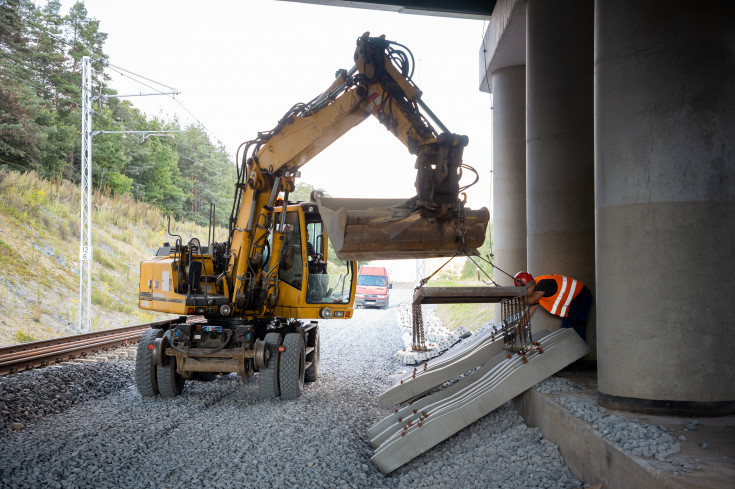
<point x="470" y="268"/>
<point x="99" y="298"/>
<point x="303" y="191"/>
<point x="471" y="316"/>
<point x="207" y="176"/>
<point x="102" y="258"/>
<point x="11" y="260"/>
<point x="40" y="117"/>
<point x="22" y="337"/>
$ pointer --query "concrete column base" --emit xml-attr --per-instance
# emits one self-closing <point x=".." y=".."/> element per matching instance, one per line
<point x="673" y="408"/>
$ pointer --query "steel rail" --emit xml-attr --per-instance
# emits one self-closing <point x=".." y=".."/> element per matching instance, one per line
<point x="35" y="354"/>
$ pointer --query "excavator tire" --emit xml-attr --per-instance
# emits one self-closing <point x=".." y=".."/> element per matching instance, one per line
<point x="268" y="376"/>
<point x="170" y="383"/>
<point x="312" y="371"/>
<point x="293" y="361"/>
<point x="146" y="380"/>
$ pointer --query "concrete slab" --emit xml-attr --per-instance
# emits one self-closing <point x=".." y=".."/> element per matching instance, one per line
<point x="456" y="408"/>
<point x="460" y="359"/>
<point x="379" y="432"/>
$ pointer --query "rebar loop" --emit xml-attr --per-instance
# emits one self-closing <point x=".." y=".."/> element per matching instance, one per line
<point x="516" y="326"/>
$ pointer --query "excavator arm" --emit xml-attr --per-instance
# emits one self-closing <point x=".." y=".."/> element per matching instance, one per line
<point x="433" y="223"/>
<point x="375" y="87"/>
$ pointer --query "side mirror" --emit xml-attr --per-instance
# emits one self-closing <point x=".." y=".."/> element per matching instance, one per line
<point x="390" y="286"/>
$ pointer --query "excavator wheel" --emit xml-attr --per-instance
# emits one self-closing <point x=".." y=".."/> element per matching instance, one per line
<point x="146" y="380"/>
<point x="312" y="358"/>
<point x="170" y="383"/>
<point x="268" y="376"/>
<point x="293" y="362"/>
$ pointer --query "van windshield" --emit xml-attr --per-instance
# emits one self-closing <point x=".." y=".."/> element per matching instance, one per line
<point x="372" y="280"/>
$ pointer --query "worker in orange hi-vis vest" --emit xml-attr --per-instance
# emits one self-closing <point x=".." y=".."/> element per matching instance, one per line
<point x="561" y="296"/>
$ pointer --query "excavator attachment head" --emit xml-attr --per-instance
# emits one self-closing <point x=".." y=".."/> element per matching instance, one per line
<point x="372" y="229"/>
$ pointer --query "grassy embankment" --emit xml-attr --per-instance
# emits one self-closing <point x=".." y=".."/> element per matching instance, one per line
<point x="39" y="257"/>
<point x="471" y="316"/>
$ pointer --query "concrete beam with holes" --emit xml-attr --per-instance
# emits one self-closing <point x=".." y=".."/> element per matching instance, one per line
<point x="483" y="355"/>
<point x="460" y="359"/>
<point x="418" y="427"/>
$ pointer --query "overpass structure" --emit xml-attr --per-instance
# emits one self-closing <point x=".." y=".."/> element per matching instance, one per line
<point x="614" y="163"/>
<point x="614" y="125"/>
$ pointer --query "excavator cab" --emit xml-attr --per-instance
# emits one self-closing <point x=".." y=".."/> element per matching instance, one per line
<point x="313" y="283"/>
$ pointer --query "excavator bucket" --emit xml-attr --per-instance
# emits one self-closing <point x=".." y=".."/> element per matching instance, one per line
<point x="372" y="229"/>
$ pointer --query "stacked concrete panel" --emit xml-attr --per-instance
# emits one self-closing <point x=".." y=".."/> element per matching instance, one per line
<point x="460" y="359"/>
<point x="419" y="426"/>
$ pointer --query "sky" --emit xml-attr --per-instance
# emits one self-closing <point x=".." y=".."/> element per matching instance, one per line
<point x="241" y="65"/>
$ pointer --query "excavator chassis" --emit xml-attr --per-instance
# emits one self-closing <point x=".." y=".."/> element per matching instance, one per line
<point x="167" y="357"/>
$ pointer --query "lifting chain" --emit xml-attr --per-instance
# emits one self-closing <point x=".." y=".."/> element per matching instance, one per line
<point x="417" y="320"/>
<point x="516" y="327"/>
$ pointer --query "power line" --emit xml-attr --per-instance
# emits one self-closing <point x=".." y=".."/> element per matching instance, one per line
<point x="113" y="67"/>
<point x="130" y="77"/>
<point x="99" y="114"/>
<point x="200" y="122"/>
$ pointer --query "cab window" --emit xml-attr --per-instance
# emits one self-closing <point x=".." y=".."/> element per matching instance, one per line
<point x="291" y="267"/>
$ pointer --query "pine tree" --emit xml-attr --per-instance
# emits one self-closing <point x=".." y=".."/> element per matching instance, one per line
<point x="21" y="137"/>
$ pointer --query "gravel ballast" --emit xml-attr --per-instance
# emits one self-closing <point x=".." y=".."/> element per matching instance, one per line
<point x="221" y="434"/>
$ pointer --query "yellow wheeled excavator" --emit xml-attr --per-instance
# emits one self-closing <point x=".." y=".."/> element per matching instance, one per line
<point x="250" y="304"/>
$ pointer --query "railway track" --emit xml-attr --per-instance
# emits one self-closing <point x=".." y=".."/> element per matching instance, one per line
<point x="35" y="354"/>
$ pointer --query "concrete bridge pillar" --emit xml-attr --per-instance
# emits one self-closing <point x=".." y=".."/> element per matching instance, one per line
<point x="560" y="145"/>
<point x="509" y="173"/>
<point x="665" y="205"/>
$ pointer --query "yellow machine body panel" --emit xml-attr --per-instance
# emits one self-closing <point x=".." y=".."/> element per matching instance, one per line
<point x="162" y="286"/>
<point x="157" y="284"/>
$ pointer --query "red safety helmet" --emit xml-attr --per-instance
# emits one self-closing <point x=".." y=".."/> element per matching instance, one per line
<point x="522" y="278"/>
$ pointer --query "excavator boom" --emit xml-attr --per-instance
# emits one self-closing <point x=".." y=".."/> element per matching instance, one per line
<point x="433" y="223"/>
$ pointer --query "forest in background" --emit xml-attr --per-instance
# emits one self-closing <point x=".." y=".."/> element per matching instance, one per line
<point x="41" y="49"/>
